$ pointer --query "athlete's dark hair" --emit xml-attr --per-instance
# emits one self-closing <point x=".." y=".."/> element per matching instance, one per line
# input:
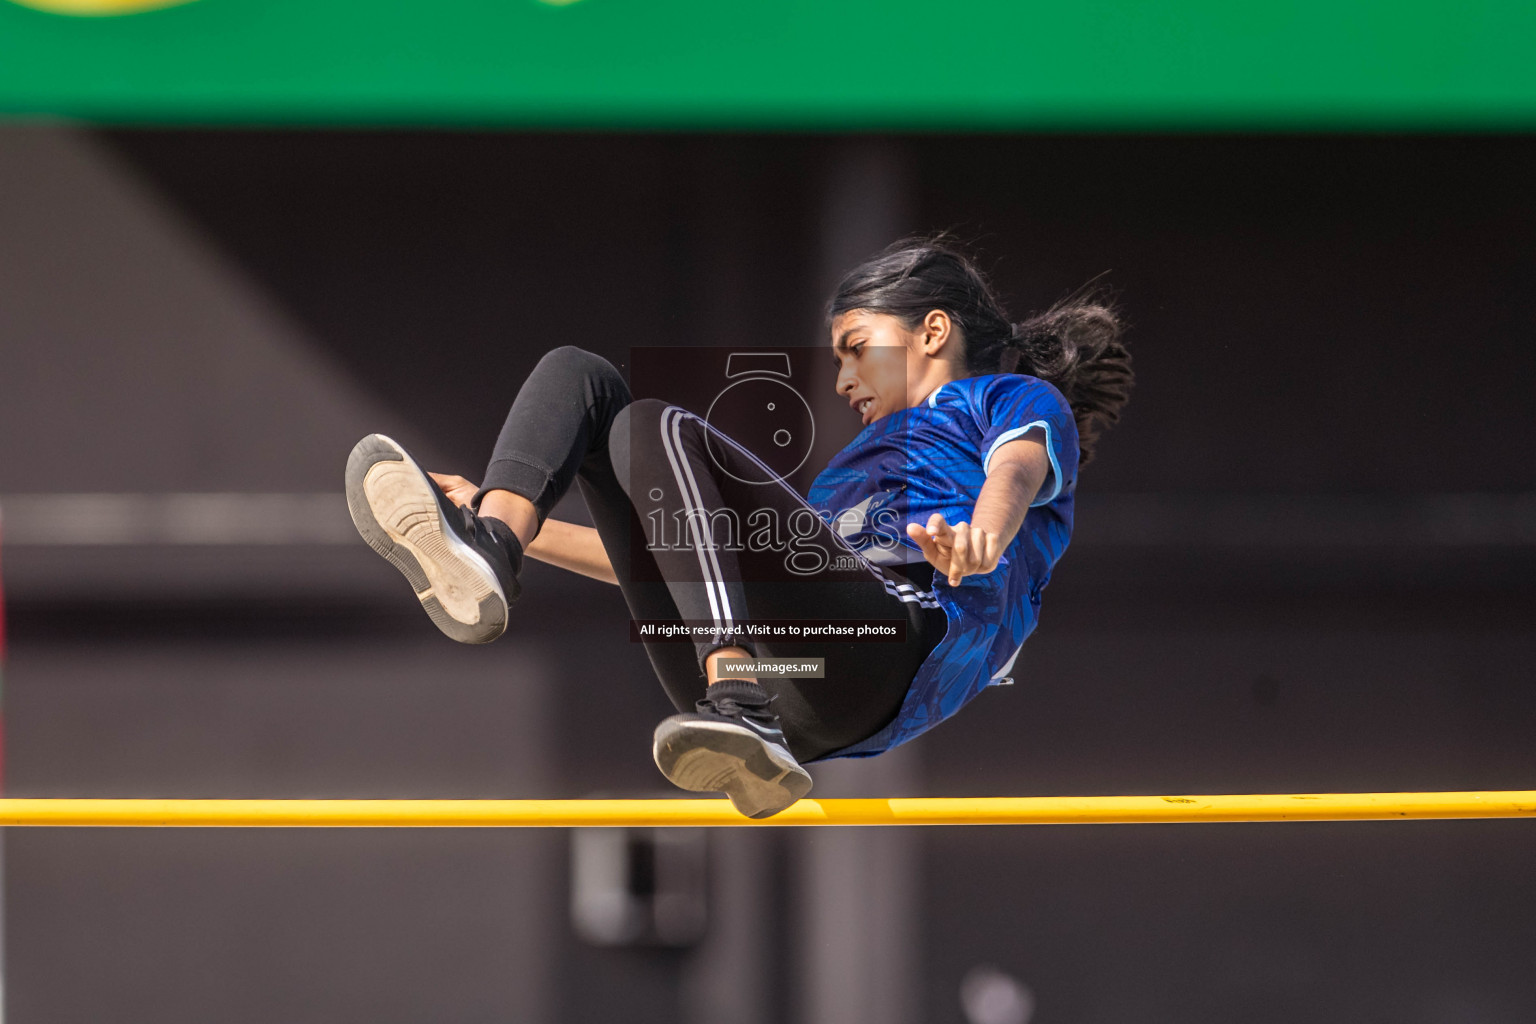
<point x="1075" y="345"/>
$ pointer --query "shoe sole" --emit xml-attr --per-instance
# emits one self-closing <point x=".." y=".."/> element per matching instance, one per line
<point x="761" y="778"/>
<point x="395" y="509"/>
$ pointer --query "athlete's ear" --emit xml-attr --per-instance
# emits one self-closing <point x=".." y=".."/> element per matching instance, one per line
<point x="936" y="331"/>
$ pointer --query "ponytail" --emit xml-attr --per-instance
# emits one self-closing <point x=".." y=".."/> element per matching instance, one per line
<point x="1075" y="345"/>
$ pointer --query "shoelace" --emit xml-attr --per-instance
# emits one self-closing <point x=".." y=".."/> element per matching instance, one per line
<point x="731" y="707"/>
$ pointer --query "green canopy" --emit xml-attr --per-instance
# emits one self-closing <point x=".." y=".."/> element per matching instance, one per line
<point x="788" y="64"/>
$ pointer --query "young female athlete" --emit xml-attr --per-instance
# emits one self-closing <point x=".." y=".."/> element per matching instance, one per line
<point x="955" y="502"/>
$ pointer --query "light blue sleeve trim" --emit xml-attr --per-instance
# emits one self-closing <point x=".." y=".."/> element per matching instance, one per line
<point x="1050" y="451"/>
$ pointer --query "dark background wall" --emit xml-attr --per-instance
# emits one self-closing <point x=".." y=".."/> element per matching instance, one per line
<point x="1304" y="562"/>
<point x="1324" y="313"/>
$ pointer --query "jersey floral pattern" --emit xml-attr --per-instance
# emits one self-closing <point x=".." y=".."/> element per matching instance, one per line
<point x="934" y="457"/>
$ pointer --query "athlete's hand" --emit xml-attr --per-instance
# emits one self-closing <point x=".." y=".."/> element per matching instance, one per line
<point x="957" y="551"/>
<point x="460" y="491"/>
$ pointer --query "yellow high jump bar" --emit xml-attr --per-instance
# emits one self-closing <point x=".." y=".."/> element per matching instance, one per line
<point x="1034" y="810"/>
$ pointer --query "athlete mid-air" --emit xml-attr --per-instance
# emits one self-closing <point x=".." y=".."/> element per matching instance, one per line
<point x="954" y="501"/>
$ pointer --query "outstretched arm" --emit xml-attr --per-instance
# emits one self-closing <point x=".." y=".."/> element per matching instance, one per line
<point x="564" y="545"/>
<point x="1014" y="476"/>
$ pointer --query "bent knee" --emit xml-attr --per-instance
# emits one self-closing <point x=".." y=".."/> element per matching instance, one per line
<point x="648" y="410"/>
<point x="649" y="417"/>
<point x="569" y="359"/>
<point x="642" y="425"/>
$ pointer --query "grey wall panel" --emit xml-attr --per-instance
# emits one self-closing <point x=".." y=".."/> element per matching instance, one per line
<point x="254" y="925"/>
<point x="135" y="356"/>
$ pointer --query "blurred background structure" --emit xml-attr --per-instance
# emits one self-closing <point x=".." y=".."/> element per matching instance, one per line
<point x="231" y="244"/>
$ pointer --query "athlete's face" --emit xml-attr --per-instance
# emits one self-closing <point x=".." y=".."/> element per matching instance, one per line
<point x="883" y="366"/>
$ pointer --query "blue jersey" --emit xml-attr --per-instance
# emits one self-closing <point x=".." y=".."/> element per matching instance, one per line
<point x="931" y="458"/>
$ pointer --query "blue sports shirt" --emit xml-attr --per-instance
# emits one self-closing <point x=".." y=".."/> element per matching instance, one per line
<point x="931" y="458"/>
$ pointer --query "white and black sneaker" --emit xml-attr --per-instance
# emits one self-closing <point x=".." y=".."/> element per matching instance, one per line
<point x="463" y="568"/>
<point x="733" y="745"/>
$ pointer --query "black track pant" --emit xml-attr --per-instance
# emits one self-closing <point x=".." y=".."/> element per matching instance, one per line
<point x="677" y="524"/>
